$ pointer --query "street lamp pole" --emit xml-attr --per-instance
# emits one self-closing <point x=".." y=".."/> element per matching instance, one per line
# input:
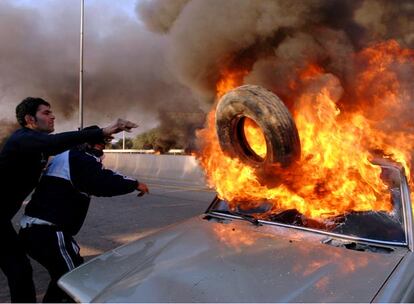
<point x="123" y="140"/>
<point x="81" y="69"/>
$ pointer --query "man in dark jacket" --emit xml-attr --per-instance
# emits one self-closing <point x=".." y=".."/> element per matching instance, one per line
<point x="22" y="160"/>
<point x="59" y="206"/>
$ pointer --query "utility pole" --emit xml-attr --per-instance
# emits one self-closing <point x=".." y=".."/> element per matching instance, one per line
<point x="123" y="140"/>
<point x="81" y="69"/>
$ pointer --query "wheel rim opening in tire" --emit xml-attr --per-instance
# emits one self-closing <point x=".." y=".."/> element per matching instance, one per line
<point x="250" y="139"/>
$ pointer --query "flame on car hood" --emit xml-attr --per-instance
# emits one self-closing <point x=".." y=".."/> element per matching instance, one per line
<point x="340" y="134"/>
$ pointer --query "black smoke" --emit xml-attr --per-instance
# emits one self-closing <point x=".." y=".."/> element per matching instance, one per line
<point x="274" y="40"/>
<point x="125" y="71"/>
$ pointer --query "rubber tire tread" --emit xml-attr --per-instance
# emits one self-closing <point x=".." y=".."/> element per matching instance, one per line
<point x="270" y="113"/>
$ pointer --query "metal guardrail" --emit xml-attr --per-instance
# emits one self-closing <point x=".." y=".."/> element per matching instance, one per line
<point x="144" y="164"/>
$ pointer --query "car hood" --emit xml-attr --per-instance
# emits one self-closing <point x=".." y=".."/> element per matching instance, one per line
<point x="231" y="261"/>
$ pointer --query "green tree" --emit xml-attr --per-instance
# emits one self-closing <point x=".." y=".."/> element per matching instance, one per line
<point x="145" y="140"/>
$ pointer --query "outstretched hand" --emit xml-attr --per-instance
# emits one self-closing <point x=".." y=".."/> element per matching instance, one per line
<point x="142" y="188"/>
<point x="118" y="126"/>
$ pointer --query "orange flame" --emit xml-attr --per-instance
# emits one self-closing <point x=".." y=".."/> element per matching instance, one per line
<point x="334" y="174"/>
<point x="229" y="80"/>
<point x="255" y="137"/>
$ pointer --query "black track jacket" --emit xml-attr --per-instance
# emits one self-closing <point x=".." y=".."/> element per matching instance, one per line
<point x="23" y="158"/>
<point x="63" y="194"/>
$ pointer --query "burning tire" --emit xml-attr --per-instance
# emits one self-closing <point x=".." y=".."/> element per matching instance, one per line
<point x="254" y="103"/>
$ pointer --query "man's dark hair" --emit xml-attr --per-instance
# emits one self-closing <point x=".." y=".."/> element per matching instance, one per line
<point x="89" y="145"/>
<point x="95" y="141"/>
<point x="28" y="106"/>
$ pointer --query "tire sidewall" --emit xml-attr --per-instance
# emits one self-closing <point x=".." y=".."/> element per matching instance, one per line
<point x="258" y="104"/>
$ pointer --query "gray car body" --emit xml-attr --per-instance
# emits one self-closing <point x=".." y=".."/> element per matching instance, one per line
<point x="189" y="262"/>
<point x="219" y="258"/>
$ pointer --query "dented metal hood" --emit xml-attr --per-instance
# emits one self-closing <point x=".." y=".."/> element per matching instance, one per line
<point x="231" y="261"/>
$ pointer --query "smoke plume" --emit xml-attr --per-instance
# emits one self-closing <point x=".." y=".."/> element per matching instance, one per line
<point x="173" y="61"/>
<point x="205" y="37"/>
<point x="274" y="40"/>
<point x="125" y="72"/>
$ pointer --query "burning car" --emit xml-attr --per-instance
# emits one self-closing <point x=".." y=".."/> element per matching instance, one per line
<point x="255" y="256"/>
<point x="285" y="236"/>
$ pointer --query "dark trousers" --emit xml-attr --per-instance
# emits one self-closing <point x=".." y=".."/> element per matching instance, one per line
<point x="15" y="265"/>
<point x="56" y="251"/>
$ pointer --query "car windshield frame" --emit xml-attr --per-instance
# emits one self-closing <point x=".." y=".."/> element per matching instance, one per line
<point x="406" y="212"/>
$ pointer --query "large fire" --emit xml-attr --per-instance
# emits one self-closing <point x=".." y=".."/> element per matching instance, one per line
<point x="335" y="173"/>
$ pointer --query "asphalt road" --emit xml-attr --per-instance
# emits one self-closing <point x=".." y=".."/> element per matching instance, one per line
<point x="112" y="222"/>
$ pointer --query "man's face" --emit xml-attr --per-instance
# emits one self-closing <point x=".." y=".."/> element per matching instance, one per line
<point x="44" y="120"/>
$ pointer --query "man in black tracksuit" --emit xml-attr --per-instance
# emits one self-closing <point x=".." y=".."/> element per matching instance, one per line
<point x="59" y="205"/>
<point x="22" y="160"/>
